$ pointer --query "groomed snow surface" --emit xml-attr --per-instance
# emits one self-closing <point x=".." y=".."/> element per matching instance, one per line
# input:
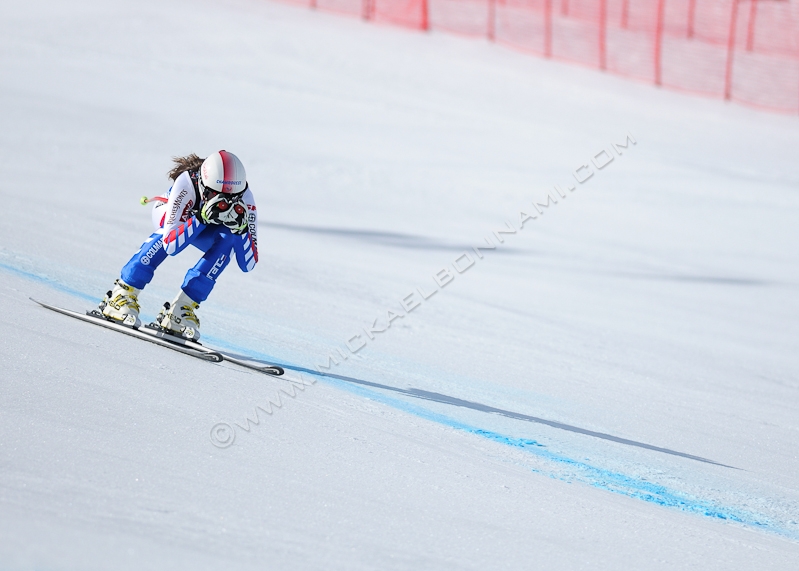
<point x="616" y="386"/>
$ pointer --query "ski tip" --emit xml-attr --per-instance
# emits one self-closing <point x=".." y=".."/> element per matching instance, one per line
<point x="272" y="370"/>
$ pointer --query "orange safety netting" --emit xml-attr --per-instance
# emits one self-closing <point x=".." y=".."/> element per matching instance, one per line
<point x="744" y="50"/>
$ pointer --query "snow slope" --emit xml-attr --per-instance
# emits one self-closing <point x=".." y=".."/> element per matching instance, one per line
<point x="614" y="387"/>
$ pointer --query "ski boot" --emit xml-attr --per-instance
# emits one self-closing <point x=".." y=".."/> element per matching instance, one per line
<point x="122" y="304"/>
<point x="179" y="318"/>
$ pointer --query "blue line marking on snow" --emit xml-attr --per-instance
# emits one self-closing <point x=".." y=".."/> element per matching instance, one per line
<point x="576" y="470"/>
<point x="48" y="281"/>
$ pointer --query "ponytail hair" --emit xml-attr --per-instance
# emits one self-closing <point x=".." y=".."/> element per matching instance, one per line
<point x="182" y="164"/>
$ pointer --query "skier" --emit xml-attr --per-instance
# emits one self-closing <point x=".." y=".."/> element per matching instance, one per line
<point x="209" y="206"/>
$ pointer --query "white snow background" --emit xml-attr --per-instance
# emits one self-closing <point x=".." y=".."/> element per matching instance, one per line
<point x="615" y="387"/>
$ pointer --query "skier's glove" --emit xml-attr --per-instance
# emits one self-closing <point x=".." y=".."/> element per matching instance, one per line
<point x="228" y="210"/>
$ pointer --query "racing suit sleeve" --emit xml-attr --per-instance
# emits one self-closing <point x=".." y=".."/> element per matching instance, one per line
<point x="180" y="227"/>
<point x="246" y="244"/>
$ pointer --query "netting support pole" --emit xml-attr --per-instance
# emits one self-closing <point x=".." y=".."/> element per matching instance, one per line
<point x="659" y="42"/>
<point x="691" y="13"/>
<point x="603" y="33"/>
<point x="312" y="4"/>
<point x="491" y="24"/>
<point x="548" y="28"/>
<point x="366" y="11"/>
<point x="625" y="10"/>
<point x="564" y="7"/>
<point x="425" y="23"/>
<point x="730" y="51"/>
<point x="750" y="32"/>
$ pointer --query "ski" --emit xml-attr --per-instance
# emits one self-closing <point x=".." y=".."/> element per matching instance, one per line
<point x="97" y="318"/>
<point x="157" y="335"/>
<point x="159" y="332"/>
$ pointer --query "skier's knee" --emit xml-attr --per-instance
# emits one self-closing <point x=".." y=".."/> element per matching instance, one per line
<point x="198" y="286"/>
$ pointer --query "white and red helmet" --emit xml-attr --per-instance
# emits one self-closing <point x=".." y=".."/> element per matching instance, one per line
<point x="223" y="172"/>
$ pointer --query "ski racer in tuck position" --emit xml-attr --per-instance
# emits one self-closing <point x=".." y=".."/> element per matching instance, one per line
<point x="209" y="206"/>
